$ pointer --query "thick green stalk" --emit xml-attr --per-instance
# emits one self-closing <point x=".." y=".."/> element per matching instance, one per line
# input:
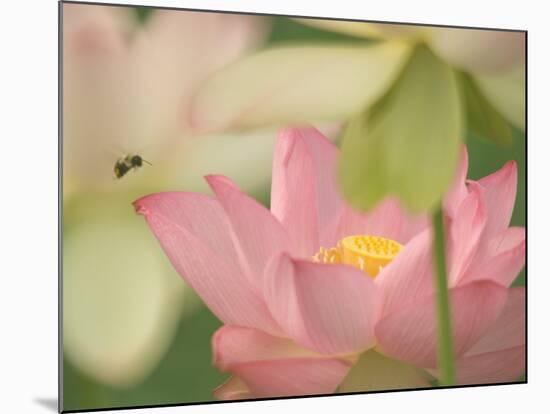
<point x="445" y="338"/>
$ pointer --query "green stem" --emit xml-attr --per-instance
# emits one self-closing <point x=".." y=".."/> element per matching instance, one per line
<point x="445" y="339"/>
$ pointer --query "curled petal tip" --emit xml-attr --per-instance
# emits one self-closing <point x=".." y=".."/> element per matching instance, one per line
<point x="511" y="165"/>
<point x="219" y="182"/>
<point x="509" y="169"/>
<point x="286" y="146"/>
<point x="139" y="207"/>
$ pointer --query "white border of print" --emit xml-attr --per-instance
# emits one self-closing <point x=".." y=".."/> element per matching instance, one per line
<point x="28" y="207"/>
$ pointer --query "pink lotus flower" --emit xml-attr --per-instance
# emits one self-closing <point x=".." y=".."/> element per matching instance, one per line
<point x="317" y="297"/>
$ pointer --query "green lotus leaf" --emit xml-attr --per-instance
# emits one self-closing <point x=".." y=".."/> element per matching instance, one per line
<point x="407" y="145"/>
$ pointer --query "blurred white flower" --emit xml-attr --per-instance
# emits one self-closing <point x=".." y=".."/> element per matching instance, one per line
<point x="125" y="85"/>
<point x="482" y="52"/>
<point x="328" y="82"/>
<point x="408" y="98"/>
<point x="121" y="302"/>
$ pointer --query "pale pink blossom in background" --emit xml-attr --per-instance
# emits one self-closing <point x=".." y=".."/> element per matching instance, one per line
<point x="309" y="309"/>
<point x="125" y="84"/>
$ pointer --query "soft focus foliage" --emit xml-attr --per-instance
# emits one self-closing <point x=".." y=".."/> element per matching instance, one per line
<point x="407" y="144"/>
<point x="375" y="372"/>
<point x="506" y="91"/>
<point x="296" y="97"/>
<point x="481" y="117"/>
<point x="116" y="291"/>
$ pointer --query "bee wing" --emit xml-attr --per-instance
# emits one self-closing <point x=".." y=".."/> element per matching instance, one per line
<point x="119" y="153"/>
<point x="146" y="151"/>
<point x="112" y="154"/>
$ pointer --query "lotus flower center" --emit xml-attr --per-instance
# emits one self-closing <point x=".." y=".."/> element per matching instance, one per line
<point x="368" y="253"/>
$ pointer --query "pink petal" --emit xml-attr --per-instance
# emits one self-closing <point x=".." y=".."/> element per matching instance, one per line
<point x="493" y="367"/>
<point x="293" y="377"/>
<point x="413" y="226"/>
<point x="508" y="239"/>
<point x="255" y="231"/>
<point x="499" y="356"/>
<point x="303" y="192"/>
<point x="293" y="192"/>
<point x="410" y="334"/>
<point x="500" y="195"/>
<point x="272" y="366"/>
<point x="388" y="219"/>
<point x="188" y="227"/>
<point x="327" y="307"/>
<point x="385" y="220"/>
<point x="199" y="214"/>
<point x="409" y="277"/>
<point x="458" y="190"/>
<point x="508" y="250"/>
<point x="499" y="192"/>
<point x="509" y="329"/>
<point x="232" y="389"/>
<point x="465" y="230"/>
<point x="236" y="344"/>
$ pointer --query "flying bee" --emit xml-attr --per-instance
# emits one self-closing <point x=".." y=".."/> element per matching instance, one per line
<point x="127" y="163"/>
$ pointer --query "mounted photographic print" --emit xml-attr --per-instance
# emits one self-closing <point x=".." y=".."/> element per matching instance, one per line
<point x="259" y="206"/>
